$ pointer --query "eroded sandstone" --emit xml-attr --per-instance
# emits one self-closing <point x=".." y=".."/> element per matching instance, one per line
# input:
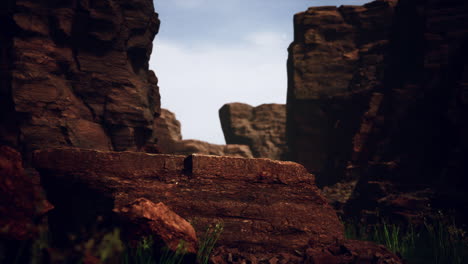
<point x="144" y="218"/>
<point x="75" y="73"/>
<point x="410" y="150"/>
<point x="262" y="128"/>
<point x="169" y="140"/>
<point x="266" y="206"/>
<point x="335" y="63"/>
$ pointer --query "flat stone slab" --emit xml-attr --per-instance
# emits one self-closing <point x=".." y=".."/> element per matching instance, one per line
<point x="265" y="205"/>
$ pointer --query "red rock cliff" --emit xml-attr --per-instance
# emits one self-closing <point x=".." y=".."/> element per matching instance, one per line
<point x="335" y="62"/>
<point x="379" y="91"/>
<point x="76" y="73"/>
<point x="416" y="132"/>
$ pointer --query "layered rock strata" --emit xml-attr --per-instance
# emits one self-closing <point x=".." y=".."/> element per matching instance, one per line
<point x="265" y="205"/>
<point x="335" y="64"/>
<point x="262" y="128"/>
<point x="75" y="73"/>
<point x="271" y="211"/>
<point x="169" y="140"/>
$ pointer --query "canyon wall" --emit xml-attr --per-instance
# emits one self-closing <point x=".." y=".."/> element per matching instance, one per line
<point x="379" y="93"/>
<point x="416" y="129"/>
<point x="75" y="73"/>
<point x="335" y="63"/>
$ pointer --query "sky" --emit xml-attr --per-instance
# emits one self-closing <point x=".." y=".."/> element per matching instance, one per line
<point x="212" y="52"/>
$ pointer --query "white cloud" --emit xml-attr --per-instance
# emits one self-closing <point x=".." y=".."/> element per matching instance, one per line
<point x="196" y="81"/>
<point x="189" y="3"/>
<point x="267" y="39"/>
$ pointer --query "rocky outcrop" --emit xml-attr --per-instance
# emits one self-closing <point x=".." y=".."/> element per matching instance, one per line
<point x="335" y="63"/>
<point x="143" y="218"/>
<point x="190" y="146"/>
<point x="272" y="211"/>
<point x="167" y="129"/>
<point x="22" y="199"/>
<point x="75" y="73"/>
<point x="378" y="93"/>
<point x="262" y="128"/>
<point x="265" y="205"/>
<point x="416" y="136"/>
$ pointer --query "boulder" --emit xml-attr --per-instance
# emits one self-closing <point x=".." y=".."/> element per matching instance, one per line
<point x="161" y="223"/>
<point x="262" y="128"/>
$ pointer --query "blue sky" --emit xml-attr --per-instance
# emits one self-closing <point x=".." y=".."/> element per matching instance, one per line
<point x="212" y="52"/>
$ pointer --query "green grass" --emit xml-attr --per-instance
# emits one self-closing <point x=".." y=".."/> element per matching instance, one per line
<point x="437" y="241"/>
<point x="109" y="248"/>
<point x="145" y="252"/>
<point x="208" y="241"/>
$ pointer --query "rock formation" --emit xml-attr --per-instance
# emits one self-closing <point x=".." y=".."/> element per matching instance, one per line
<point x="168" y="129"/>
<point x="169" y="140"/>
<point x="262" y="128"/>
<point x="267" y="207"/>
<point x="75" y="73"/>
<point x="378" y="93"/>
<point x="22" y="199"/>
<point x="335" y="63"/>
<point x="414" y="135"/>
<point x="264" y="204"/>
<point x="166" y="227"/>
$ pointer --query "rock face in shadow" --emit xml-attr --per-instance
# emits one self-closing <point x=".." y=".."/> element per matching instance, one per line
<point x="262" y="128"/>
<point x="378" y="93"/>
<point x="75" y="73"/>
<point x="335" y="63"/>
<point x="415" y="133"/>
<point x="266" y="206"/>
<point x="22" y="199"/>
<point x="169" y="140"/>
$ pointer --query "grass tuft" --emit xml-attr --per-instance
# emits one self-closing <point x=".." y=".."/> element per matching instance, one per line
<point x="109" y="248"/>
<point x="435" y="242"/>
<point x="208" y="241"/>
